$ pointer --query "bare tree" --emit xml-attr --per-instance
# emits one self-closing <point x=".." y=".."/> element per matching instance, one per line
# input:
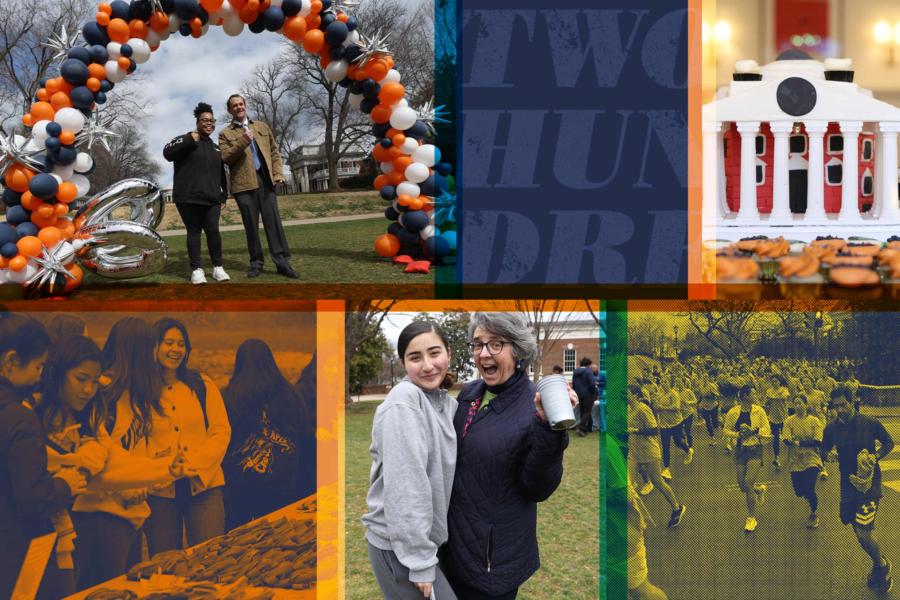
<point x="547" y="323"/>
<point x="726" y="326"/>
<point x="272" y="97"/>
<point x="362" y="322"/>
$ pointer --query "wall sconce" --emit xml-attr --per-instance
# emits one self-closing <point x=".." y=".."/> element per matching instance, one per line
<point x="715" y="36"/>
<point x="888" y="36"/>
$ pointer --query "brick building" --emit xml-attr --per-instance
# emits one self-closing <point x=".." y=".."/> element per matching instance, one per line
<point x="578" y="339"/>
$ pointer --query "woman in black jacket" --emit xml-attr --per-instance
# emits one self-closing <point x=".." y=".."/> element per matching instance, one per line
<point x="508" y="460"/>
<point x="199" y="190"/>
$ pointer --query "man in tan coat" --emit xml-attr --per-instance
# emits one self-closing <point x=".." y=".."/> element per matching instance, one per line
<point x="251" y="153"/>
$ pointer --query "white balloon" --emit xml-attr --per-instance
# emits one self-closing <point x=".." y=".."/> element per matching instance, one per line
<point x="393" y="76"/>
<point x="407" y="188"/>
<point x="409" y="146"/>
<point x="32" y="145"/>
<point x="386" y="167"/>
<point x="19" y="140"/>
<point x="64" y="172"/>
<point x="427" y="232"/>
<point x="39" y="132"/>
<point x="114" y="72"/>
<point x="416" y="172"/>
<point x="83" y="163"/>
<point x="400" y="218"/>
<point x="351" y="38"/>
<point x="355" y="100"/>
<point x="402" y="102"/>
<point x="56" y="176"/>
<point x="153" y="39"/>
<point x="233" y="26"/>
<point x="25" y="274"/>
<point x="396" y="206"/>
<point x="140" y="50"/>
<point x="427" y="154"/>
<point x="174" y="23"/>
<point x="114" y="49"/>
<point x="4" y="276"/>
<point x="66" y="249"/>
<point x="70" y="118"/>
<point x="226" y="10"/>
<point x="275" y="3"/>
<point x="336" y="70"/>
<point x="82" y="184"/>
<point x="305" y="7"/>
<point x="403" y="117"/>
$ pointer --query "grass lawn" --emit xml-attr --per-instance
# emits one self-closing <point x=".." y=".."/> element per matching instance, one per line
<point x="568" y="523"/>
<point x="338" y="253"/>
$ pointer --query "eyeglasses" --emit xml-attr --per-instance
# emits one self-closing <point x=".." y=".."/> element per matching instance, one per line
<point x="493" y="346"/>
<point x="207" y="121"/>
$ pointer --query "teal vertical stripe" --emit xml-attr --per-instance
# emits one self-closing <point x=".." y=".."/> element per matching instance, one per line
<point x="446" y="86"/>
<point x="613" y="449"/>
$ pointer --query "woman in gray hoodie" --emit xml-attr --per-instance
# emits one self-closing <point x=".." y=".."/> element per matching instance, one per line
<point x="413" y="461"/>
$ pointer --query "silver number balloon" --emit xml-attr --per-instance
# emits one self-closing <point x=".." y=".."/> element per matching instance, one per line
<point x="121" y="249"/>
<point x="141" y="196"/>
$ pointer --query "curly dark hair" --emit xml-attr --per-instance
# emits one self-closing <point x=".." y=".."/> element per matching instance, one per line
<point x="202" y="107"/>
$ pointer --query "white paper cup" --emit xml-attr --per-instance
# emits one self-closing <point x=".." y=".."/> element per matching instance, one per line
<point x="555" y="398"/>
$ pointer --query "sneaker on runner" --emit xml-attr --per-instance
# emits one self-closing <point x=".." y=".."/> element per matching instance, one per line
<point x="760" y="490"/>
<point x="776" y="464"/>
<point x="689" y="456"/>
<point x="666" y="473"/>
<point x="712" y="442"/>
<point x="813" y="521"/>
<point x="646" y="488"/>
<point x="677" y="515"/>
<point x="750" y="524"/>
<point x="823" y="474"/>
<point x="885" y="586"/>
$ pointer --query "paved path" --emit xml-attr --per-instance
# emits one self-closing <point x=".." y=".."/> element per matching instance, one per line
<point x="710" y="557"/>
<point x="175" y="232"/>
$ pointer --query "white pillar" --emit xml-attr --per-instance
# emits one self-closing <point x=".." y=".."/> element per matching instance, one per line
<point x="712" y="208"/>
<point x="850" y="183"/>
<point x="815" y="191"/>
<point x="781" y="209"/>
<point x="888" y="209"/>
<point x="722" y="198"/>
<point x="748" y="211"/>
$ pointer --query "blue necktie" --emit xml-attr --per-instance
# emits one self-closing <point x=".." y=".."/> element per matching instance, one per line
<point x="255" y="151"/>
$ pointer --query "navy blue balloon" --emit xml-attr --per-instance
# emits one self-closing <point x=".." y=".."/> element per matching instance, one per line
<point x="440" y="184"/>
<point x="386" y="143"/>
<point x="352" y="52"/>
<point x="371" y="89"/>
<point x="187" y="9"/>
<point x="66" y="156"/>
<point x="9" y="250"/>
<point x="402" y="209"/>
<point x="100" y="98"/>
<point x="43" y="185"/>
<point x="54" y="129"/>
<point x="352" y="23"/>
<point x="48" y="163"/>
<point x="185" y="29"/>
<point x="81" y="97"/>
<point x="106" y="86"/>
<point x="8" y="234"/>
<point x="368" y="104"/>
<point x="11" y="198"/>
<point x="380" y="131"/>
<point x="444" y="168"/>
<point x="94" y="34"/>
<point x="273" y="18"/>
<point x="415" y="220"/>
<point x="131" y="66"/>
<point x="356" y="87"/>
<point x="257" y="26"/>
<point x="411" y="250"/>
<point x="168" y="6"/>
<point x="427" y="187"/>
<point x="418" y="131"/>
<point x="437" y="247"/>
<point x="44" y="81"/>
<point x="126" y="51"/>
<point x="392" y="215"/>
<point x="99" y="55"/>
<point x="406" y="236"/>
<point x="326" y="4"/>
<point x="336" y="33"/>
<point x="345" y="82"/>
<point x="80" y="53"/>
<point x="121" y="10"/>
<point x="204" y="16"/>
<point x="74" y="71"/>
<point x="290" y="8"/>
<point x="327" y="19"/>
<point x="388" y="192"/>
<point x="16" y="215"/>
<point x="336" y="52"/>
<point x="26" y="228"/>
<point x="141" y="9"/>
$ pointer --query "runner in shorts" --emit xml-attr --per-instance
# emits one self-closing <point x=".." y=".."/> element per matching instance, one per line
<point x="852" y="433"/>
<point x="746" y="423"/>
<point x="803" y="438"/>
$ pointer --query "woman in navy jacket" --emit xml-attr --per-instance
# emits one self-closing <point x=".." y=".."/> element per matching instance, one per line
<point x="508" y="460"/>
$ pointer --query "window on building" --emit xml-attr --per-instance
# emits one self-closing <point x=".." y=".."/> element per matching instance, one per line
<point x="760" y="174"/>
<point x="798" y="144"/>
<point x="760" y="145"/>
<point x="868" y="149"/>
<point x="601" y="360"/>
<point x="867" y="184"/>
<point x="569" y="360"/>
<point x="835" y="144"/>
<point x="834" y="172"/>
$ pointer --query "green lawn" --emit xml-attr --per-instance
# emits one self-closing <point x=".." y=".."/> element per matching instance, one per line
<point x="568" y="523"/>
<point x="338" y="253"/>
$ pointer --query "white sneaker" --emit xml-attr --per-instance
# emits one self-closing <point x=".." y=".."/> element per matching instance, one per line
<point x="646" y="488"/>
<point x="750" y="525"/>
<point x="760" y="491"/>
<point x="198" y="276"/>
<point x="219" y="274"/>
<point x="689" y="456"/>
<point x="667" y="473"/>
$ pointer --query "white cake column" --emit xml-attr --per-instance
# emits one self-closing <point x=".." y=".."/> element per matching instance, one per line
<point x="850" y="184"/>
<point x="815" y="190"/>
<point x="748" y="212"/>
<point x="889" y="211"/>
<point x="712" y="208"/>
<point x="781" y="209"/>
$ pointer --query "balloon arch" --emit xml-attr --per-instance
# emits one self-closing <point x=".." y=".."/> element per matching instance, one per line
<point x="53" y="228"/>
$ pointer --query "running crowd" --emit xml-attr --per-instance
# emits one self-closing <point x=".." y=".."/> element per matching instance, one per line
<point x="104" y="447"/>
<point x="808" y="412"/>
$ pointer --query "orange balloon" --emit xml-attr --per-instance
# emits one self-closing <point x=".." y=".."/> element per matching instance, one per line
<point x="66" y="226"/>
<point x="71" y="284"/>
<point x="264" y="5"/>
<point x="313" y="22"/>
<point x="60" y="100"/>
<point x="401" y="162"/>
<point x="391" y="93"/>
<point x="67" y="137"/>
<point x="416" y="203"/>
<point x="105" y="8"/>
<point x="17" y="263"/>
<point x="65" y="86"/>
<point x="315" y="7"/>
<point x="27" y="121"/>
<point x="17" y="178"/>
<point x="97" y="71"/>
<point x="404" y="200"/>
<point x="390" y="61"/>
<point x="396" y="178"/>
<point x="67" y="192"/>
<point x="60" y="210"/>
<point x="45" y="211"/>
<point x="247" y="14"/>
<point x="42" y="221"/>
<point x="42" y="95"/>
<point x="52" y="85"/>
<point x="324" y="61"/>
<point x="118" y="30"/>
<point x="30" y="201"/>
<point x="398" y="138"/>
<point x="138" y="28"/>
<point x="295" y="28"/>
<point x="102" y="19"/>
<point x="342" y="17"/>
<point x="42" y="111"/>
<point x="93" y="84"/>
<point x="313" y="40"/>
<point x="29" y="246"/>
<point x="211" y="6"/>
<point x="159" y="21"/>
<point x="50" y="236"/>
<point x="381" y="114"/>
<point x="196" y="33"/>
<point x="380" y="154"/>
<point x="376" y="69"/>
<point x="3" y="263"/>
<point x="380" y="181"/>
<point x="394" y="152"/>
<point x="124" y="63"/>
<point x="387" y="245"/>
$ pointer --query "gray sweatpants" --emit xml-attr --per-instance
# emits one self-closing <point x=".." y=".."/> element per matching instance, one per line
<point x="393" y="578"/>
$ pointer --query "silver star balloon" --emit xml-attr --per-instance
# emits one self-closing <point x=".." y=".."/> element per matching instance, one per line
<point x="96" y="130"/>
<point x="343" y="6"/>
<point x="62" y="42"/>
<point x="156" y="6"/>
<point x="430" y="114"/>
<point x="372" y="46"/>
<point x="12" y="152"/>
<point x="52" y="263"/>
